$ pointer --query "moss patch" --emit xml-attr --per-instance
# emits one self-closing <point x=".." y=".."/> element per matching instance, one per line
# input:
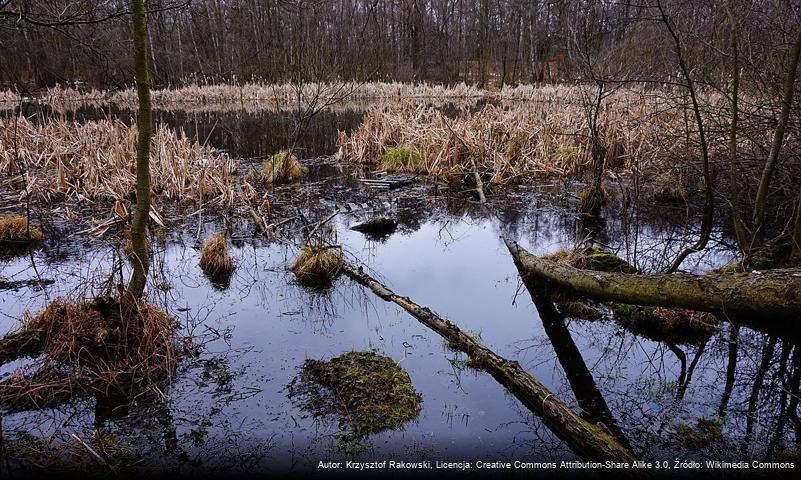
<point x="592" y="258"/>
<point x="370" y="393"/>
<point x="601" y="260"/>
<point x="402" y="159"/>
<point x="704" y="434"/>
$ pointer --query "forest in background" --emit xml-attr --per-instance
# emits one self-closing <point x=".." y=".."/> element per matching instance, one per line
<point x="487" y="42"/>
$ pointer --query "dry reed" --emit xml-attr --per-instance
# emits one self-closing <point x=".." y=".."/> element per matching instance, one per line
<point x="16" y="229"/>
<point x="95" y="161"/>
<point x="507" y="143"/>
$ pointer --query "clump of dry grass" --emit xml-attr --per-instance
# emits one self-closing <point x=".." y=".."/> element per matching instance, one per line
<point x="93" y="161"/>
<point x="216" y="259"/>
<point x="96" y="346"/>
<point x="590" y="202"/>
<point x="317" y="265"/>
<point x="283" y="167"/>
<point x="15" y="229"/>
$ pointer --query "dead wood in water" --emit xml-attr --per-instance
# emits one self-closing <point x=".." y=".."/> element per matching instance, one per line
<point x="586" y="439"/>
<point x="764" y="296"/>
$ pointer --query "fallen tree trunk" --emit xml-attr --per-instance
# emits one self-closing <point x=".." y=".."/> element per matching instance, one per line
<point x="769" y="295"/>
<point x="587" y="440"/>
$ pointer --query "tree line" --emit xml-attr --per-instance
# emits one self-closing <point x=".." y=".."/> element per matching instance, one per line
<point x="486" y="42"/>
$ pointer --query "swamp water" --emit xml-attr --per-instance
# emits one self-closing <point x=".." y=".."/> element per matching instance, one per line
<point x="229" y="408"/>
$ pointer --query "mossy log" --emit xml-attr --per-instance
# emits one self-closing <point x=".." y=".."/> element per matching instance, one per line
<point x="768" y="295"/>
<point x="587" y="440"/>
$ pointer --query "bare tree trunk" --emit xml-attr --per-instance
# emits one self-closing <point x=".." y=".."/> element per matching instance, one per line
<point x="796" y="255"/>
<point x="778" y="139"/>
<point x="141" y="262"/>
<point x="709" y="198"/>
<point x="735" y="199"/>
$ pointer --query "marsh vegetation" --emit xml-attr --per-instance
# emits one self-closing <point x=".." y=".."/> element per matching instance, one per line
<point x="578" y="242"/>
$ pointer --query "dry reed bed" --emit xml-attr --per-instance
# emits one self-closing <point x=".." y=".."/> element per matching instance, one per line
<point x="96" y="161"/>
<point x="277" y="96"/>
<point x="507" y="143"/>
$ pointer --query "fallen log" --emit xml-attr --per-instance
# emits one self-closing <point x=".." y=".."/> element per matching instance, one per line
<point x="587" y="440"/>
<point x="768" y="295"/>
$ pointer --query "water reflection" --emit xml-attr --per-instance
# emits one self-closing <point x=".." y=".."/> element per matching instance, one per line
<point x="228" y="410"/>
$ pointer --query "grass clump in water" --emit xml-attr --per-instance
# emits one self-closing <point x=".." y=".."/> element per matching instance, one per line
<point x="317" y="265"/>
<point x="216" y="262"/>
<point x="98" y="346"/>
<point x="283" y="167"/>
<point x="370" y="393"/>
<point x="15" y="229"/>
<point x="402" y="159"/>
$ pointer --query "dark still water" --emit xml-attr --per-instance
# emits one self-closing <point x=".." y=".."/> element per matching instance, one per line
<point x="228" y="409"/>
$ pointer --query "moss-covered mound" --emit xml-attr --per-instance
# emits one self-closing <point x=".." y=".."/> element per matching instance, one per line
<point x="675" y="325"/>
<point x="601" y="260"/>
<point x="402" y="159"/>
<point x="369" y="392"/>
<point x="592" y="258"/>
<point x="704" y="434"/>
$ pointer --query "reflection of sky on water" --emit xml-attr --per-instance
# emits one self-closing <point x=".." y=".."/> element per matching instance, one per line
<point x="230" y="405"/>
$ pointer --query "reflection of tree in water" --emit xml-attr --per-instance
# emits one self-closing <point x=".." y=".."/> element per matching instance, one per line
<point x="578" y="375"/>
<point x="737" y="394"/>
